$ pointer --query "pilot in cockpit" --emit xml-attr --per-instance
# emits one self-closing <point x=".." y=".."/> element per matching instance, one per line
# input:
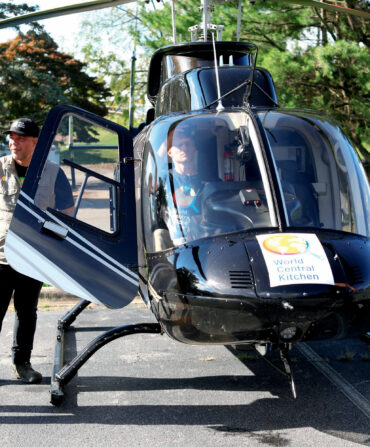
<point x="182" y="184"/>
<point x="182" y="151"/>
<point x="185" y="181"/>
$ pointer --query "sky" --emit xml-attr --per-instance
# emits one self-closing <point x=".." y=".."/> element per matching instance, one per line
<point x="64" y="30"/>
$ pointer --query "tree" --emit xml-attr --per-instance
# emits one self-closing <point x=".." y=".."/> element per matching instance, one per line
<point x="337" y="79"/>
<point x="107" y="49"/>
<point x="7" y="9"/>
<point x="34" y="75"/>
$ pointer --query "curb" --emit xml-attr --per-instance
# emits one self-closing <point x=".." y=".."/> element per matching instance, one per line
<point x="55" y="293"/>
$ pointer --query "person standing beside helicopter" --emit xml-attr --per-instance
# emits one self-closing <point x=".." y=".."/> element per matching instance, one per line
<point x="23" y="136"/>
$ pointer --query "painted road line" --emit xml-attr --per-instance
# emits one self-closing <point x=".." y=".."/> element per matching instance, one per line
<point x="345" y="387"/>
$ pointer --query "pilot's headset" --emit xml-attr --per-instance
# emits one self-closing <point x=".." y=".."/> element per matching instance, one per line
<point x="244" y="147"/>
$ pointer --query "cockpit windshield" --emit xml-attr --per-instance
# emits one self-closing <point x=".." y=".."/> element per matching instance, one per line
<point x="204" y="175"/>
<point x="314" y="157"/>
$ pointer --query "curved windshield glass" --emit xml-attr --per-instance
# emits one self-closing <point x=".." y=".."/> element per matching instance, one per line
<point x="318" y="162"/>
<point x="203" y="175"/>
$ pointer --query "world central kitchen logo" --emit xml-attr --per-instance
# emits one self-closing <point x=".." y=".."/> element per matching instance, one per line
<point x="295" y="259"/>
<point x="292" y="262"/>
<point x="286" y="245"/>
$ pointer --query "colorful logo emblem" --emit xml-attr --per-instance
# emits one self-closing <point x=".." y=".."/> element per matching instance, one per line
<point x="185" y="197"/>
<point x="286" y="244"/>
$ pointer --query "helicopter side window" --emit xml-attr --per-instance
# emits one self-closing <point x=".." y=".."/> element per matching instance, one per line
<point x="294" y="161"/>
<point x="154" y="205"/>
<point x="318" y="161"/>
<point x="81" y="175"/>
<point x="174" y="64"/>
<point x="232" y="77"/>
<point x="174" y="96"/>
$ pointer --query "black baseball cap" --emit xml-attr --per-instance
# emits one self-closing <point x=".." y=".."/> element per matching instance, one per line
<point x="25" y="127"/>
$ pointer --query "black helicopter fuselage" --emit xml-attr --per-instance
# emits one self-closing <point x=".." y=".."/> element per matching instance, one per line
<point x="214" y="286"/>
<point x="217" y="291"/>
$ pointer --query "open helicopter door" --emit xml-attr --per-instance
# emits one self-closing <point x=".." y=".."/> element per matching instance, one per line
<point x="74" y="225"/>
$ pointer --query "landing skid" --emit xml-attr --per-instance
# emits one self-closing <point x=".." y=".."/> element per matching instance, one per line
<point x="61" y="375"/>
<point x="287" y="371"/>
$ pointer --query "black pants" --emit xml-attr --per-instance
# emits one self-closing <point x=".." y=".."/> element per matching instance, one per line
<point x="26" y="295"/>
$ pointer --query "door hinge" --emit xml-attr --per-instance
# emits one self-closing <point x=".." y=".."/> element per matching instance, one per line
<point x="129" y="160"/>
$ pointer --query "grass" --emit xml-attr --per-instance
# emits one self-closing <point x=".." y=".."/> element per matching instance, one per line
<point x="107" y="137"/>
<point x="90" y="156"/>
<point x="346" y="356"/>
<point x="93" y="155"/>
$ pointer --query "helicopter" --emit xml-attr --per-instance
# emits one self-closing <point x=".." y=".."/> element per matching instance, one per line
<point x="237" y="222"/>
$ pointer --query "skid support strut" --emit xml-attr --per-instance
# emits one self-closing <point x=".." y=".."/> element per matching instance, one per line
<point x="285" y="358"/>
<point x="61" y="375"/>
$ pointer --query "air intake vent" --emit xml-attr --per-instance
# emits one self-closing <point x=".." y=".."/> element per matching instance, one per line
<point x="241" y="279"/>
<point x="355" y="275"/>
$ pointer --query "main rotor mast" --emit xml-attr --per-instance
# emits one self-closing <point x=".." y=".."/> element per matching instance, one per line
<point x="206" y="27"/>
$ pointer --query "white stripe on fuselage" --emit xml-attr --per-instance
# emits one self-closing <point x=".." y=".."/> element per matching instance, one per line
<point x="24" y="258"/>
<point x="122" y="271"/>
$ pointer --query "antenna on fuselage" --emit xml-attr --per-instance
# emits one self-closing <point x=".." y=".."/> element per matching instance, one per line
<point x="220" y="106"/>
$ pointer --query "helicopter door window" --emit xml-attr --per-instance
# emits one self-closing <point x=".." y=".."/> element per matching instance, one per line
<point x="82" y="180"/>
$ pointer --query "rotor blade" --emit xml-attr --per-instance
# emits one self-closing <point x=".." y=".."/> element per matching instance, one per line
<point x="64" y="10"/>
<point x="329" y="7"/>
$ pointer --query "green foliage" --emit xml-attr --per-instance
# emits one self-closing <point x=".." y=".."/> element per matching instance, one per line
<point x="34" y="75"/>
<point x="91" y="156"/>
<point x="155" y="28"/>
<point x="266" y="25"/>
<point x="337" y="78"/>
<point x="9" y="9"/>
<point x="107" y="49"/>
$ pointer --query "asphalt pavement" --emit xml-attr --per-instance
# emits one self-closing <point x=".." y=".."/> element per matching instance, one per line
<point x="149" y="390"/>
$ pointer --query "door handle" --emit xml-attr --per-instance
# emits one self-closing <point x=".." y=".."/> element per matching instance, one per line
<point x="54" y="229"/>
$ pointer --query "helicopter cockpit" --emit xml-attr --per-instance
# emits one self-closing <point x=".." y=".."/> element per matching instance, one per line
<point x="206" y="177"/>
<point x="206" y="174"/>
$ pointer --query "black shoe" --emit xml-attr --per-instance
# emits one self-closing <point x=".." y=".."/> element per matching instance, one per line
<point x="26" y="373"/>
<point x="366" y="338"/>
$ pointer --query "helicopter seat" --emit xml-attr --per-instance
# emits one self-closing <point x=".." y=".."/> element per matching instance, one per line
<point x="206" y="145"/>
<point x="304" y="192"/>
